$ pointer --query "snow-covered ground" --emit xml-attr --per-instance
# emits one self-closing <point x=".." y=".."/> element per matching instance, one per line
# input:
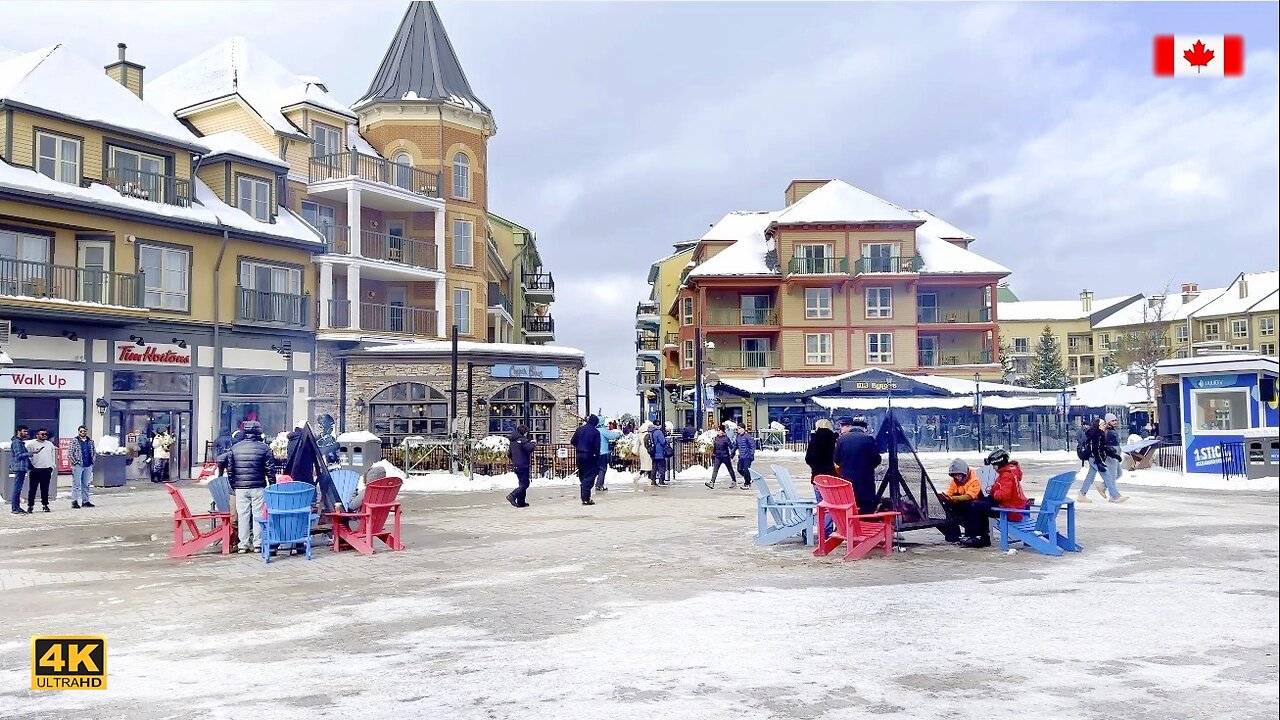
<point x="1159" y="477"/>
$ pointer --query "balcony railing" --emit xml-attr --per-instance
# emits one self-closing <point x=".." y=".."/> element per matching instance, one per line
<point x="671" y="338"/>
<point x="43" y="281"/>
<point x="744" y="359"/>
<point x="383" y="246"/>
<point x="647" y="377"/>
<point x="818" y="266"/>
<point x="938" y="358"/>
<point x="953" y="315"/>
<point x="498" y="299"/>
<point x="343" y="165"/>
<point x="742" y="316"/>
<point x="382" y="317"/>
<point x="539" y="324"/>
<point x="890" y="265"/>
<point x="271" y="308"/>
<point x="538" y="283"/>
<point x="164" y="189"/>
<point x="647" y="342"/>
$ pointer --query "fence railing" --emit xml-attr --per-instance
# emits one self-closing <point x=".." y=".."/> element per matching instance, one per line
<point x="539" y="324"/>
<point x="818" y="266"/>
<point x="343" y="165"/>
<point x="498" y="299"/>
<point x="382" y="317"/>
<point x="164" y="189"/>
<point x="744" y="359"/>
<point x="1232" y="454"/>
<point x="539" y="283"/>
<point x="1169" y="455"/>
<point x="879" y="265"/>
<point x="938" y="358"/>
<point x="647" y="342"/>
<point x="943" y="315"/>
<point x="37" y="280"/>
<point x="742" y="316"/>
<point x="272" y="308"/>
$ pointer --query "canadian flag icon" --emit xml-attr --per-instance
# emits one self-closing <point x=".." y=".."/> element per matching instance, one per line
<point x="1199" y="55"/>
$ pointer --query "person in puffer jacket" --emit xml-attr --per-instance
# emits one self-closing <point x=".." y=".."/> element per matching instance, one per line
<point x="586" y="446"/>
<point x="966" y="506"/>
<point x="722" y="454"/>
<point x="746" y="455"/>
<point x="249" y="468"/>
<point x="1007" y="489"/>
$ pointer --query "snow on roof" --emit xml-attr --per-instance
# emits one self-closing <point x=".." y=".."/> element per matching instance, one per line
<point x="1053" y="309"/>
<point x="937" y="227"/>
<point x="929" y="403"/>
<point x="443" y="346"/>
<point x="234" y="142"/>
<point x="357" y="142"/>
<point x="206" y="209"/>
<point x="54" y="80"/>
<point x="1187" y="309"/>
<point x="1228" y="362"/>
<point x="1260" y="293"/>
<point x="804" y="385"/>
<point x="234" y="66"/>
<point x="941" y="257"/>
<point x="746" y="256"/>
<point x="1109" y="391"/>
<point x="840" y="202"/>
<point x="1136" y="312"/>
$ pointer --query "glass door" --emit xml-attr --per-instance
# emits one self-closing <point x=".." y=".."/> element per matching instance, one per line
<point x="755" y="352"/>
<point x="928" y="350"/>
<point x="927" y="307"/>
<point x="397" y="298"/>
<point x="755" y="309"/>
<point x="395" y="240"/>
<point x="95" y="272"/>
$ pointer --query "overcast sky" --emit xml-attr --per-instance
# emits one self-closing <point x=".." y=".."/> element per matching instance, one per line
<point x="626" y="127"/>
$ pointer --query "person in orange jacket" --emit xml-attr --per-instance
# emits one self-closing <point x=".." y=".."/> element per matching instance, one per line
<point x="965" y="505"/>
<point x="1007" y="489"/>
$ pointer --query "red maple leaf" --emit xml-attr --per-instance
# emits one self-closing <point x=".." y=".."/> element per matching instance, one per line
<point x="1198" y="56"/>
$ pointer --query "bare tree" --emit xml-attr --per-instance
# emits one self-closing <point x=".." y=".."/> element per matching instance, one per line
<point x="1142" y="346"/>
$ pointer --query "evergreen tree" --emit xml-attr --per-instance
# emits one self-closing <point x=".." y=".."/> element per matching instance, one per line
<point x="1046" y="368"/>
<point x="1109" y="365"/>
<point x="1008" y="368"/>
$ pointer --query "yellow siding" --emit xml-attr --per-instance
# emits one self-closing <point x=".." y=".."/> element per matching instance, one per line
<point x="953" y="298"/>
<point x="256" y="172"/>
<point x="298" y="155"/>
<point x="904" y="304"/>
<point x="905" y="239"/>
<point x="792" y="308"/>
<point x="788" y="240"/>
<point x="24" y="127"/>
<point x="213" y="174"/>
<point x="4" y="129"/>
<point x="235" y="117"/>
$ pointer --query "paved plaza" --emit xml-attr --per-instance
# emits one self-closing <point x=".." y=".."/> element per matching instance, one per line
<point x="653" y="605"/>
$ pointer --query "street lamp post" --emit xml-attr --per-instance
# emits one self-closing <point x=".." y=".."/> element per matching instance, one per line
<point x="977" y="407"/>
<point x="587" y="396"/>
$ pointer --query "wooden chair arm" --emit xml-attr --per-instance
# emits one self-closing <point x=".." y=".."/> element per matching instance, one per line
<point x="356" y="515"/>
<point x="178" y="515"/>
<point x="878" y="515"/>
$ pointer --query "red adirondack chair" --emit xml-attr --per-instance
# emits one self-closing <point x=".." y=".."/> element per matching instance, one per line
<point x="379" y="502"/>
<point x="862" y="533"/>
<point x="185" y="522"/>
<point x="208" y="471"/>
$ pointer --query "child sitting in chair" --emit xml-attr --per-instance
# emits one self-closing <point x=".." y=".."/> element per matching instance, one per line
<point x="1007" y="488"/>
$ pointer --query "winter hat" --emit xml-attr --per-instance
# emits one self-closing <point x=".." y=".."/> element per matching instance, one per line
<point x="1110" y="417"/>
<point x="846" y="422"/>
<point x="958" y="467"/>
<point x="860" y="422"/>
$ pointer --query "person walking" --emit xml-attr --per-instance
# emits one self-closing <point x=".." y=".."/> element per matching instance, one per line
<point x="249" y="467"/>
<point x="160" y="445"/>
<point x="857" y="456"/>
<point x="82" y="452"/>
<point x="1112" y="458"/>
<point x="608" y="435"/>
<point x="586" y="446"/>
<point x="521" y="454"/>
<point x="746" y="455"/>
<point x="660" y="449"/>
<point x="722" y="455"/>
<point x="19" y="465"/>
<point x="43" y="458"/>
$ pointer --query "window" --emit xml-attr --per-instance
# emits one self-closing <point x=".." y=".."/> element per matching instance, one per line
<point x="58" y="157"/>
<point x="927" y="307"/>
<point x="814" y="259"/>
<point x="817" y="349"/>
<point x="321" y="217"/>
<point x="1239" y="328"/>
<point x="686" y="311"/>
<point x="328" y="142"/>
<point x="1244" y="347"/>
<point x="462" y="310"/>
<point x="1220" y="410"/>
<point x="270" y="278"/>
<point x="151" y="382"/>
<point x="817" y="303"/>
<point x="1267" y="349"/>
<point x="409" y="410"/>
<point x="23" y="248"/>
<point x="927" y="350"/>
<point x="510" y="408"/>
<point x="1180" y="333"/>
<point x="1073" y="343"/>
<point x="1022" y="345"/>
<point x="463" y="244"/>
<point x="756" y="353"/>
<point x="461" y="176"/>
<point x="756" y="310"/>
<point x="686" y="357"/>
<point x="1212" y="331"/>
<point x="1104" y="340"/>
<point x="165" y="276"/>
<point x="879" y="302"/>
<point x="404" y="170"/>
<point x="253" y="196"/>
<point x="880" y="258"/>
<point x="1266" y="326"/>
<point x="137" y="174"/>
<point x="879" y="348"/>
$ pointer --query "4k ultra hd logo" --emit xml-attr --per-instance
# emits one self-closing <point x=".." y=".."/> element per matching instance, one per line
<point x="65" y="662"/>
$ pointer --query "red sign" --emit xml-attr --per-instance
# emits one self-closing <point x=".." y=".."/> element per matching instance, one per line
<point x="151" y="354"/>
<point x="64" y="456"/>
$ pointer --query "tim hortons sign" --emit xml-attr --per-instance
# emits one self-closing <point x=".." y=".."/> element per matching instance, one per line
<point x="128" y="353"/>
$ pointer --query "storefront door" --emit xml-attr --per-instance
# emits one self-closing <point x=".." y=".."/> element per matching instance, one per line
<point x="136" y="423"/>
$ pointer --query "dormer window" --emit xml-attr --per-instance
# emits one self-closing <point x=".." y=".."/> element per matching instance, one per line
<point x="253" y="196"/>
<point x="137" y="174"/>
<point x="58" y="157"/>
<point x="328" y="141"/>
<point x="462" y="176"/>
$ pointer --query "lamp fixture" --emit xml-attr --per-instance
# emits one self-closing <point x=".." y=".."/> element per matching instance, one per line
<point x="19" y="333"/>
<point x="70" y="335"/>
<point x="359" y="402"/>
<point x="285" y="348"/>
<point x="137" y="340"/>
<point x="101" y="404"/>
<point x="569" y="402"/>
<point x="180" y="343"/>
<point x="481" y="403"/>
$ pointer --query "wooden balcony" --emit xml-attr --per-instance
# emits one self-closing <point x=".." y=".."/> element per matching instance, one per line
<point x="734" y="317"/>
<point x="952" y="358"/>
<point x="888" y="265"/>
<point x="744" y="359"/>
<point x="818" y="266"/>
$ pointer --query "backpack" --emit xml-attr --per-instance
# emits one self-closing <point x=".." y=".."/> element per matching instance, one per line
<point x="1082" y="446"/>
<point x="648" y="442"/>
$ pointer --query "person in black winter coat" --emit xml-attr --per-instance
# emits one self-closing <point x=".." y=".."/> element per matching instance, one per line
<point x="821" y="453"/>
<point x="521" y="454"/>
<point x="722" y="454"/>
<point x="586" y="445"/>
<point x="249" y="468"/>
<point x="858" y="456"/>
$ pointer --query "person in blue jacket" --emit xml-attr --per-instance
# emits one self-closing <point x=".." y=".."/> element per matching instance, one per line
<point x="607" y="436"/>
<point x="858" y="456"/>
<point x="659" y="449"/>
<point x="746" y="455"/>
<point x="586" y="446"/>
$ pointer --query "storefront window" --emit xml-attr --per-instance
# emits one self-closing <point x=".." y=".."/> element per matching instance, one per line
<point x="275" y="385"/>
<point x="408" y="410"/>
<point x="274" y="416"/>
<point x="509" y="408"/>
<point x="1220" y="409"/>
<point x="156" y="382"/>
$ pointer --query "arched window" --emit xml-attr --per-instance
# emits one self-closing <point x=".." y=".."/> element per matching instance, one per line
<point x="403" y="170"/>
<point x="511" y="406"/>
<point x="462" y="176"/>
<point x="408" y="409"/>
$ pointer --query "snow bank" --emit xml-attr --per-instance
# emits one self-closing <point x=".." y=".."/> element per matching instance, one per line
<point x="357" y="436"/>
<point x="1159" y="477"/>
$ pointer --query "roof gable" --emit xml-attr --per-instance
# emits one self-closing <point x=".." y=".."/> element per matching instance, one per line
<point x="838" y="202"/>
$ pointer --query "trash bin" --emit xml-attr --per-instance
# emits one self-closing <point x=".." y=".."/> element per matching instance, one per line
<point x="1262" y="452"/>
<point x="359" y="450"/>
<point x="108" y="470"/>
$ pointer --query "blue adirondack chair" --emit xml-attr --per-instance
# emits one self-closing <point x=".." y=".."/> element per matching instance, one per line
<point x="1038" y="528"/>
<point x="789" y="519"/>
<point x="346" y="482"/>
<point x="788" y="487"/>
<point x="289" y="517"/>
<point x="220" y="491"/>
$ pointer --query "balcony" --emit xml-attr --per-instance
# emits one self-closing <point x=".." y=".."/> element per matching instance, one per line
<point x="943" y="316"/>
<point x="887" y="265"/>
<point x="646" y="314"/>
<point x="744" y="359"/>
<point x="935" y="358"/>
<point x="62" y="284"/>
<point x="381" y="246"/>
<point x="384" y="318"/>
<point x="357" y="165"/>
<point x="647" y="343"/>
<point x="498" y="300"/>
<point x="671" y="339"/>
<point x="260" y="307"/>
<point x="731" y="317"/>
<point x="539" y="325"/>
<point x="538" y="286"/>
<point x="818" y="266"/>
<point x="647" y="378"/>
<point x="163" y="189"/>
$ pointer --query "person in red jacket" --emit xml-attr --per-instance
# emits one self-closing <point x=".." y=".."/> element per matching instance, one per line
<point x="1006" y="491"/>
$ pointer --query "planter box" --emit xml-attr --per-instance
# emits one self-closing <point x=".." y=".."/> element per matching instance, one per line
<point x="108" y="470"/>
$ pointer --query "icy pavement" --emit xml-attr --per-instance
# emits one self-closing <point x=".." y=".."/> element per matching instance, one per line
<point x="651" y="606"/>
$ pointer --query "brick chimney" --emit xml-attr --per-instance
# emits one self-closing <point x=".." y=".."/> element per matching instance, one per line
<point x="1190" y="291"/>
<point x="799" y="188"/>
<point x="128" y="74"/>
<point x="1086" y="300"/>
